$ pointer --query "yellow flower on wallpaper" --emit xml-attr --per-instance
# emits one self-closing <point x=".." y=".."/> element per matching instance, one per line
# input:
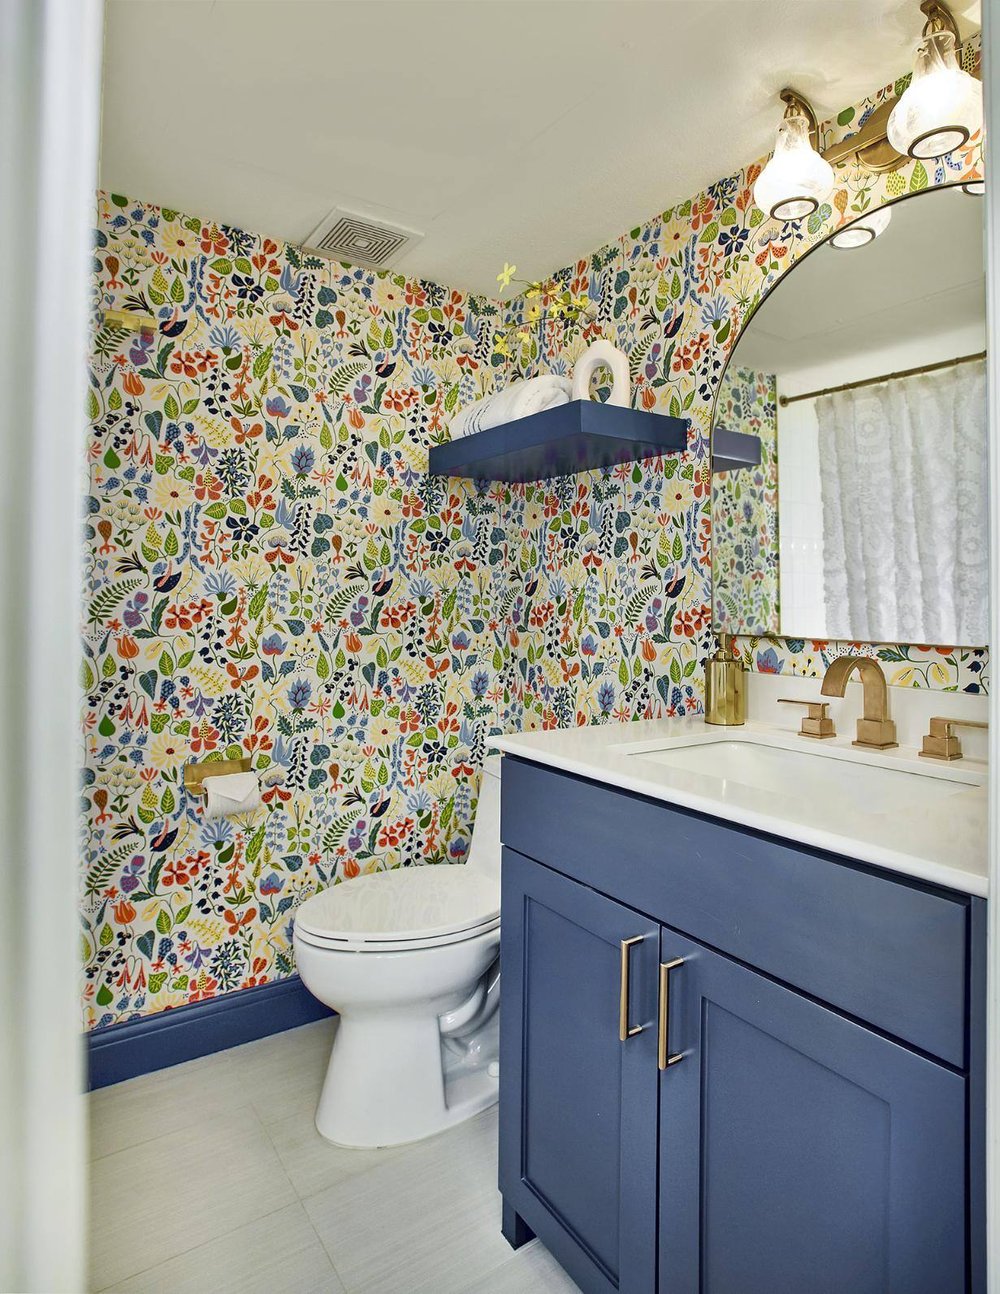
<point x="178" y="242"/>
<point x="383" y="732"/>
<point x="170" y="493"/>
<point x="168" y="751"/>
<point x="390" y="293"/>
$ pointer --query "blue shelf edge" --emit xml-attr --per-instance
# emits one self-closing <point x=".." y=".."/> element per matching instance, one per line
<point x="732" y="450"/>
<point x="570" y="438"/>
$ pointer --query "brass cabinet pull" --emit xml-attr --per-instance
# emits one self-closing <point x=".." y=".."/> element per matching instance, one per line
<point x="663" y="1059"/>
<point x="624" y="1030"/>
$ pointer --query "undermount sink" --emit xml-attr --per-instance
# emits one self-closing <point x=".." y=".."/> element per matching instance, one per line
<point x="855" y="781"/>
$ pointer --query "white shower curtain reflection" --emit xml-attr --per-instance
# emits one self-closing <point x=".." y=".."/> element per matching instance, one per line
<point x="905" y="509"/>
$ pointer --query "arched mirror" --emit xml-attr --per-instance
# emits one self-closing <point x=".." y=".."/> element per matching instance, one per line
<point x="862" y="377"/>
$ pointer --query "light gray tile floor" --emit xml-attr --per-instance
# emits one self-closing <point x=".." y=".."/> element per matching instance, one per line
<point x="211" y="1177"/>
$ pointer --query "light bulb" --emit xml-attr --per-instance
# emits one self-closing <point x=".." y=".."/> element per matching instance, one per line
<point x="796" y="179"/>
<point x="863" y="230"/>
<point x="941" y="108"/>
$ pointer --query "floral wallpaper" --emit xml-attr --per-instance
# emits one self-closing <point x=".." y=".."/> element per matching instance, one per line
<point x="745" y="509"/>
<point x="272" y="573"/>
<point x="674" y="293"/>
<point x="945" y="669"/>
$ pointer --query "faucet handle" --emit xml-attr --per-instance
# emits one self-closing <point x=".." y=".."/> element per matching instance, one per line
<point x="817" y="722"/>
<point x="941" y="742"/>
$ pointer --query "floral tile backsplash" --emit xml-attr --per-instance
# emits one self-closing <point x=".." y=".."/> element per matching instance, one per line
<point x="272" y="573"/>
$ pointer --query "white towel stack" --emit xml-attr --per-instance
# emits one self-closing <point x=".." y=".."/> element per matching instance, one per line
<point x="518" y="400"/>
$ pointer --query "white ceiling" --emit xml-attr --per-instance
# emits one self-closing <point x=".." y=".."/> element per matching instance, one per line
<point x="525" y="130"/>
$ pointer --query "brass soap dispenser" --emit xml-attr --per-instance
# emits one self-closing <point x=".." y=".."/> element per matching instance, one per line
<point x="725" y="685"/>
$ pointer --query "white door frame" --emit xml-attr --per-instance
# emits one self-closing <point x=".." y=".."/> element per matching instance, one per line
<point x="50" y="68"/>
<point x="991" y="69"/>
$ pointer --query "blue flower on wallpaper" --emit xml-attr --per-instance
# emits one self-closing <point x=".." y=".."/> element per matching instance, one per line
<point x="768" y="661"/>
<point x="303" y="460"/>
<point x="606" y="698"/>
<point x="299" y="694"/>
<point x="278" y="407"/>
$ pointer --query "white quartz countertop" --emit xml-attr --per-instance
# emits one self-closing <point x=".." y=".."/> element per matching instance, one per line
<point x="941" y="838"/>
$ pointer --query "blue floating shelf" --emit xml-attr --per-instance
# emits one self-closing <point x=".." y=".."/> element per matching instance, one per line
<point x="732" y="450"/>
<point x="570" y="438"/>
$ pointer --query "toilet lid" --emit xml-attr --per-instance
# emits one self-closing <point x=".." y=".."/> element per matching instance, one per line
<point x="405" y="904"/>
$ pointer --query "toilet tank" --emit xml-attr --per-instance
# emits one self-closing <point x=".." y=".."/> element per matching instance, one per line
<point x="484" y="854"/>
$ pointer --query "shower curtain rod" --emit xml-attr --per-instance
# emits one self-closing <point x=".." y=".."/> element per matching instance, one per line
<point x="886" y="377"/>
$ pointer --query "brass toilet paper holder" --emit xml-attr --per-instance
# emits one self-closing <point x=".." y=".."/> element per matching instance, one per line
<point x="196" y="773"/>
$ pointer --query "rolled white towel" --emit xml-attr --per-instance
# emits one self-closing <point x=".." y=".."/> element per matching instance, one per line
<point x="603" y="353"/>
<point x="532" y="395"/>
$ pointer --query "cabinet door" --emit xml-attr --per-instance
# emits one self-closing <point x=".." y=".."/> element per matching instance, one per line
<point x="578" y="1105"/>
<point x="800" y="1151"/>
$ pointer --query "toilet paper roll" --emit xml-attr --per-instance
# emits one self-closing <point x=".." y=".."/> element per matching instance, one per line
<point x="231" y="793"/>
<point x="603" y="353"/>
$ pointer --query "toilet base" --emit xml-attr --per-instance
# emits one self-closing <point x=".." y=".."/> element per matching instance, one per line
<point x="393" y="1079"/>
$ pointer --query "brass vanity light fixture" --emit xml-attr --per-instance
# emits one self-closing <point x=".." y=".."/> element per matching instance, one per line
<point x="974" y="188"/>
<point x="942" y="107"/>
<point x="939" y="111"/>
<point x="869" y="144"/>
<point x="797" y="178"/>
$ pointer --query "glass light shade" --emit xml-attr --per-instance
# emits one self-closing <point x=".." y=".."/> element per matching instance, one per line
<point x="863" y="230"/>
<point x="941" y="108"/>
<point x="974" y="188"/>
<point x="796" y="179"/>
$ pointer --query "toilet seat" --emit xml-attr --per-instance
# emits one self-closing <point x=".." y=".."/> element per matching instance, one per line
<point x="401" y="910"/>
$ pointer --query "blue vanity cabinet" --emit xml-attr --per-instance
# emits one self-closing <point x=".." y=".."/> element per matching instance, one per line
<point x="798" y="1149"/>
<point x="820" y="1127"/>
<point x="578" y="1143"/>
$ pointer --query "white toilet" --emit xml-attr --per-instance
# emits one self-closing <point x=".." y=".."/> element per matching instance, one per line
<point x="409" y="960"/>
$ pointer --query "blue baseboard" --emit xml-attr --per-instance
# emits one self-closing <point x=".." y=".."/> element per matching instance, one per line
<point x="122" y="1051"/>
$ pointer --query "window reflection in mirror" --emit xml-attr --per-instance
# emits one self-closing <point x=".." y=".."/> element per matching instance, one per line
<point x="866" y="519"/>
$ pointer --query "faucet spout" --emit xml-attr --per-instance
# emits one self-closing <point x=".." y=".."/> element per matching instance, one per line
<point x="876" y="731"/>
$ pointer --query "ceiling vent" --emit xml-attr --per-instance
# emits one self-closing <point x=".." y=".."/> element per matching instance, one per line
<point x="359" y="240"/>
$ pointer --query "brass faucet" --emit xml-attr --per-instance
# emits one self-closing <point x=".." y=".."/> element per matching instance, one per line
<point x="817" y="722"/>
<point x="941" y="742"/>
<point x="876" y="731"/>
